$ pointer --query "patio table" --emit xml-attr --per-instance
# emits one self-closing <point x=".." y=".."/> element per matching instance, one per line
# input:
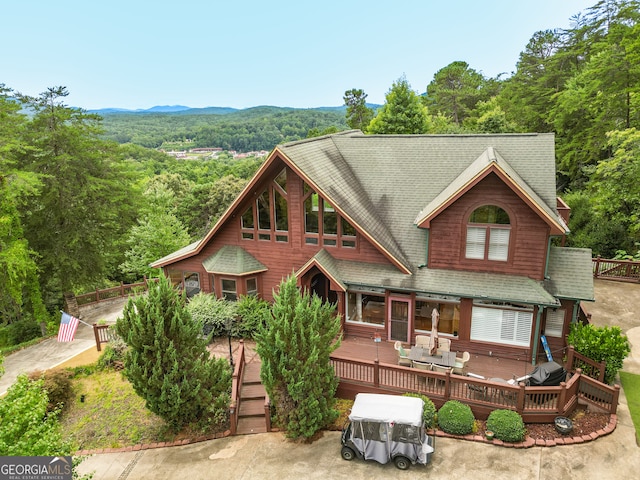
<point x="420" y="354"/>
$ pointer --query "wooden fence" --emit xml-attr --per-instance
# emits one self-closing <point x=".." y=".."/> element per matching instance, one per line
<point x="621" y="270"/>
<point x="535" y="404"/>
<point x="123" y="290"/>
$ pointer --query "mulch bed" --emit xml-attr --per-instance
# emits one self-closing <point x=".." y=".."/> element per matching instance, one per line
<point x="584" y="423"/>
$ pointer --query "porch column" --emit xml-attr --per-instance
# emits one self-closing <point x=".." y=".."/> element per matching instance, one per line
<point x="536" y="336"/>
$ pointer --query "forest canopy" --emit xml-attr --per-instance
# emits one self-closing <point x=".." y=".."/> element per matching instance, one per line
<point x="82" y="195"/>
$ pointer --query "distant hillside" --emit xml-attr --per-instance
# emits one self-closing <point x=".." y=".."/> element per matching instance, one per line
<point x="249" y="129"/>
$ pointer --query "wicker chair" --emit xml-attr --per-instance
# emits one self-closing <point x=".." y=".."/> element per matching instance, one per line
<point x="403" y="355"/>
<point x="461" y="362"/>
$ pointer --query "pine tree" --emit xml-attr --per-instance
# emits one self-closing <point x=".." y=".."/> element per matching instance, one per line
<point x="296" y="371"/>
<point x="167" y="361"/>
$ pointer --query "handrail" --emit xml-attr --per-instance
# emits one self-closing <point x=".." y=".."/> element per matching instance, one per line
<point x="236" y="385"/>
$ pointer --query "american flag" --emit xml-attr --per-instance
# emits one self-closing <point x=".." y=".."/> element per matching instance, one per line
<point x="68" y="327"/>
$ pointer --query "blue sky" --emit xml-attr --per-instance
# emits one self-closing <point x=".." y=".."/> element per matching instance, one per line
<point x="243" y="53"/>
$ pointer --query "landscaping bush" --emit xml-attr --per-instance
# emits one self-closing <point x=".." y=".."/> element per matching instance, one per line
<point x="428" y="411"/>
<point x="114" y="353"/>
<point x="254" y="313"/>
<point x="601" y="343"/>
<point x="456" y="418"/>
<point x="22" y="331"/>
<point x="212" y="313"/>
<point x="57" y="385"/>
<point x="506" y="425"/>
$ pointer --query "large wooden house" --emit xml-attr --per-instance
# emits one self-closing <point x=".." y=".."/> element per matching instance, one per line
<point x="390" y="227"/>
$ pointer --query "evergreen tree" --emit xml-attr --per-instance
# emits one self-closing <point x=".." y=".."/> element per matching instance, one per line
<point x="358" y="114"/>
<point x="296" y="371"/>
<point x="167" y="361"/>
<point x="86" y="200"/>
<point x="402" y="113"/>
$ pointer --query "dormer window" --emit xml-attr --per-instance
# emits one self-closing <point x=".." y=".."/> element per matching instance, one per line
<point x="488" y="232"/>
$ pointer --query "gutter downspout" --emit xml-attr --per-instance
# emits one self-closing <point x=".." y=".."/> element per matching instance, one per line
<point x="536" y="335"/>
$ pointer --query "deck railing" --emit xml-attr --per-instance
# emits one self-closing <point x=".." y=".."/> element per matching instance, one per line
<point x="589" y="367"/>
<point x="621" y="270"/>
<point x="535" y="404"/>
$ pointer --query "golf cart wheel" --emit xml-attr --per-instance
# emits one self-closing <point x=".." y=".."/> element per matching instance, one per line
<point x="347" y="454"/>
<point x="403" y="463"/>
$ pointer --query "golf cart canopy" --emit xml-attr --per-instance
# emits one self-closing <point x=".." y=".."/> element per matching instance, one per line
<point x="373" y="407"/>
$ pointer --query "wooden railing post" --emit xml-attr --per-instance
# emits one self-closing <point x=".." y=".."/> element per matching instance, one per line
<point x="376" y="372"/>
<point x="569" y="365"/>
<point x="614" y="400"/>
<point x="122" y="289"/>
<point x="97" y="335"/>
<point x="97" y="295"/>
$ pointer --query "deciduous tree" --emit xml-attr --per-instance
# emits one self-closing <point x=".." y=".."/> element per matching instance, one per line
<point x="402" y="112"/>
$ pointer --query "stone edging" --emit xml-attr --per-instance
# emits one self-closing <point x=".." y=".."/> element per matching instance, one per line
<point x="530" y="442"/>
<point x="527" y="443"/>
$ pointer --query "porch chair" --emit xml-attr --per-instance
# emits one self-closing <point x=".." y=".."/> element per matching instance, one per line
<point x="423" y="341"/>
<point x="422" y="366"/>
<point x="441" y="369"/>
<point x="461" y="362"/>
<point x="444" y="345"/>
<point x="403" y="355"/>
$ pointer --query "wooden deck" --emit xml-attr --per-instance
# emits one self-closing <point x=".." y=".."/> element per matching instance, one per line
<point x="488" y="366"/>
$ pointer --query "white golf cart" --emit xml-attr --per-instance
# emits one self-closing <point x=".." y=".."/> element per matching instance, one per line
<point x="387" y="428"/>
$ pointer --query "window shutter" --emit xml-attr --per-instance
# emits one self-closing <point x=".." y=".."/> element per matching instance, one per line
<point x="499" y="244"/>
<point x="510" y="327"/>
<point x="476" y="237"/>
<point x="555" y="322"/>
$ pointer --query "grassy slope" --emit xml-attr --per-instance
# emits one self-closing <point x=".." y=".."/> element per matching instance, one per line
<point x="631" y="385"/>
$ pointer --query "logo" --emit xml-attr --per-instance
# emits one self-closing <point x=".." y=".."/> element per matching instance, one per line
<point x="35" y="468"/>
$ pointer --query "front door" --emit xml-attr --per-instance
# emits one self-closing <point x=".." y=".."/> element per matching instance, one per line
<point x="399" y="309"/>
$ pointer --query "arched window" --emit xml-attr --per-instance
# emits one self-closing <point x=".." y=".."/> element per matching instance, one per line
<point x="488" y="232"/>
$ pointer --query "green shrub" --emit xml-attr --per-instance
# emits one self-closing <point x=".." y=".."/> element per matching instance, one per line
<point x="22" y="331"/>
<point x="506" y="425"/>
<point x="114" y="353"/>
<point x="254" y="313"/>
<point x="212" y="313"/>
<point x="456" y="418"/>
<point x="601" y="344"/>
<point x="428" y="411"/>
<point x="57" y="384"/>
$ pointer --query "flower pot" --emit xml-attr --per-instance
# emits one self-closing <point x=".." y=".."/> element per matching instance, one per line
<point x="489" y="435"/>
<point x="563" y="425"/>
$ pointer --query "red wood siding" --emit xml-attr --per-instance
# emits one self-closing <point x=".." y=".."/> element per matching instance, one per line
<point x="280" y="258"/>
<point x="528" y="238"/>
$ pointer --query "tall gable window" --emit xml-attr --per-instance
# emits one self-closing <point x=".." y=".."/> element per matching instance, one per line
<point x="488" y="232"/>
<point x="268" y="218"/>
<point x="323" y="225"/>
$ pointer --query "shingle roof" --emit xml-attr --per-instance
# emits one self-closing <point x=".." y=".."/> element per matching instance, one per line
<point x="571" y="273"/>
<point x="382" y="182"/>
<point x="486" y="286"/>
<point x="232" y="260"/>
<point x="177" y="254"/>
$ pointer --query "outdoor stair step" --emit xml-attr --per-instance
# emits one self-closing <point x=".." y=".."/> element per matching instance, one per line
<point x="249" y="425"/>
<point x="251" y="373"/>
<point x="251" y="408"/>
<point x="252" y="391"/>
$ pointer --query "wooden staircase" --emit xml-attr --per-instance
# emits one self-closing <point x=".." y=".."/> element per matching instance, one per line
<point x="251" y="416"/>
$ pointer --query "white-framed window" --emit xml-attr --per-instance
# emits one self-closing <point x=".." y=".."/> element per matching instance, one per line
<point x="488" y="234"/>
<point x="229" y="289"/>
<point x="498" y="325"/>
<point x="555" y="322"/>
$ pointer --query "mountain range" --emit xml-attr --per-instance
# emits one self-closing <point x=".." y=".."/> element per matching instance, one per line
<point x="184" y="110"/>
